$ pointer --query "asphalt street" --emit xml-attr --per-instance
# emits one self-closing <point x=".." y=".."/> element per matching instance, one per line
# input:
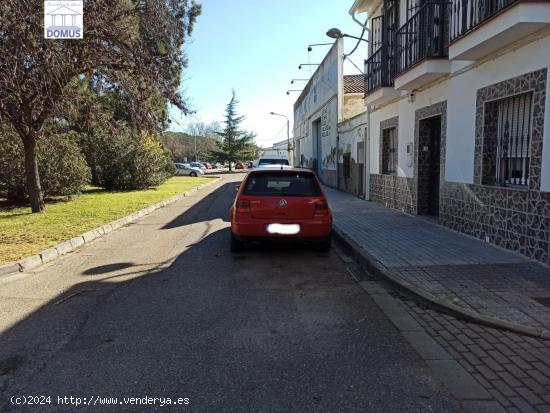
<point x="162" y="308"/>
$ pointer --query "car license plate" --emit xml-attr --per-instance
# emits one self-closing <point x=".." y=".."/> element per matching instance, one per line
<point x="283" y="229"/>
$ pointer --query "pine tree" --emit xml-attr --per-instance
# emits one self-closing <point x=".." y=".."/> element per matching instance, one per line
<point x="236" y="144"/>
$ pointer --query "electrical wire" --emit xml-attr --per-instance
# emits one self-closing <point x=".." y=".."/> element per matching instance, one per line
<point x="358" y="41"/>
<point x="354" y="65"/>
<point x="278" y="133"/>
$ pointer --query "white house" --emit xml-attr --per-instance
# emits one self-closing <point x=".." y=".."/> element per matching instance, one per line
<point x="328" y="101"/>
<point x="458" y="124"/>
<point x="277" y="150"/>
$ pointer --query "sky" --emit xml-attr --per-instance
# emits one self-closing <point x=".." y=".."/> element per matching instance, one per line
<point x="255" y="47"/>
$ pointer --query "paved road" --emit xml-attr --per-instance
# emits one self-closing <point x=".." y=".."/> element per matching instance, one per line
<point x="161" y="308"/>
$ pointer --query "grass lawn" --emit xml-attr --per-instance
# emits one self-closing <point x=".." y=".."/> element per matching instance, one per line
<point x="23" y="234"/>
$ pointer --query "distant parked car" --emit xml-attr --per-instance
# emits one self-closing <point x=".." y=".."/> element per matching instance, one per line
<point x="207" y="165"/>
<point x="198" y="165"/>
<point x="250" y="164"/>
<point x="183" y="169"/>
<point x="239" y="165"/>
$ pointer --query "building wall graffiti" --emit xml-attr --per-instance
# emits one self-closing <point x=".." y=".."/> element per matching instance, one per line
<point x="316" y="114"/>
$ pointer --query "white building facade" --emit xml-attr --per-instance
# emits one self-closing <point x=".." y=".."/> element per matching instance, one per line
<point x="329" y="101"/>
<point x="317" y="112"/>
<point x="458" y="119"/>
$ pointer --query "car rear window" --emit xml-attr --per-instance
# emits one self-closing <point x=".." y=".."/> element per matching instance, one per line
<point x="282" y="184"/>
<point x="268" y="161"/>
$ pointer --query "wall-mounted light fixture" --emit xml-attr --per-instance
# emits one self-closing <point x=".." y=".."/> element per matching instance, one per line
<point x="298" y="80"/>
<point x="293" y="90"/>
<point x="311" y="46"/>
<point x="307" y="64"/>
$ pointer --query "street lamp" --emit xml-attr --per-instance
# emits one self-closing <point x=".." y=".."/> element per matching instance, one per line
<point x="336" y="33"/>
<point x="287" y="132"/>
<point x="293" y="90"/>
<point x="298" y="80"/>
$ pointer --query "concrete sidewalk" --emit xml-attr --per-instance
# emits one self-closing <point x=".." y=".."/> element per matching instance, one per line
<point x="471" y="274"/>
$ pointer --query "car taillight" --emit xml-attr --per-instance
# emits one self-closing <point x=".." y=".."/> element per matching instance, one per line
<point x="243" y="205"/>
<point x="321" y="207"/>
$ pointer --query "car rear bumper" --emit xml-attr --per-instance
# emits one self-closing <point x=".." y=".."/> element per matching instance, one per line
<point x="283" y="239"/>
<point x="310" y="229"/>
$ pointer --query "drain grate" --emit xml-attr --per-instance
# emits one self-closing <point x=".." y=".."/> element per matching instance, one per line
<point x="545" y="301"/>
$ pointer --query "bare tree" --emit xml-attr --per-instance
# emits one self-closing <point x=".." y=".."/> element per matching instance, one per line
<point x="133" y="47"/>
<point x="203" y="130"/>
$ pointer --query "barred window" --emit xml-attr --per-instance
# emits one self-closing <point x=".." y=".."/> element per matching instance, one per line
<point x="389" y="151"/>
<point x="507" y="140"/>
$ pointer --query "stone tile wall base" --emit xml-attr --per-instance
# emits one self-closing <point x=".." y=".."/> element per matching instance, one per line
<point x="394" y="192"/>
<point x="512" y="219"/>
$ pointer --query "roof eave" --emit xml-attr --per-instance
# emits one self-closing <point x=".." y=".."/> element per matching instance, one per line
<point x="359" y="6"/>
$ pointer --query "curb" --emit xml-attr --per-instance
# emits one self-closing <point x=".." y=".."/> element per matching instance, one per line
<point x="376" y="268"/>
<point x="53" y="253"/>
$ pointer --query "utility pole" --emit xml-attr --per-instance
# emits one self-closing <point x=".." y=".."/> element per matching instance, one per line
<point x="289" y="146"/>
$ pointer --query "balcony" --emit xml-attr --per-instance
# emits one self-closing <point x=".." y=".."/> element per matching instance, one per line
<point x="379" y="78"/>
<point x="422" y="47"/>
<point x="481" y="27"/>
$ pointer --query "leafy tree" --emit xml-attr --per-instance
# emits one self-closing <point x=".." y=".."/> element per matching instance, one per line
<point x="236" y="144"/>
<point x="124" y="158"/>
<point x="131" y="47"/>
<point x="61" y="164"/>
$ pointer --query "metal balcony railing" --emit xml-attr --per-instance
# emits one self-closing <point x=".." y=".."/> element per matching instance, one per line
<point x="378" y="70"/>
<point x="423" y="36"/>
<point x="466" y="15"/>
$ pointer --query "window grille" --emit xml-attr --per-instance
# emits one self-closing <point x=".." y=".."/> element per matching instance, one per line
<point x="514" y="140"/>
<point x="376" y="33"/>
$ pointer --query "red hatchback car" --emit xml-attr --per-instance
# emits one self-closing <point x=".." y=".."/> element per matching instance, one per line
<point x="281" y="203"/>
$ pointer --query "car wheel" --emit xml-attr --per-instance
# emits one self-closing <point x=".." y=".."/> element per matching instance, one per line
<point x="193" y="174"/>
<point x="325" y="244"/>
<point x="236" y="245"/>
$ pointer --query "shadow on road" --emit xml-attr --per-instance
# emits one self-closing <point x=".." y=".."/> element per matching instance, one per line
<point x="196" y="277"/>
<point x="104" y="269"/>
<point x="59" y="321"/>
<point x="213" y="206"/>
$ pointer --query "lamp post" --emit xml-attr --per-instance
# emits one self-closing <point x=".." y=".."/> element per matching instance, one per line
<point x="289" y="147"/>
